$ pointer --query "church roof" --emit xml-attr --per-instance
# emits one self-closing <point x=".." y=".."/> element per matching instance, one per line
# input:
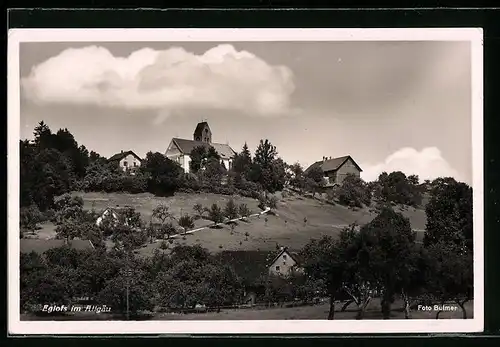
<point x="186" y="146"/>
<point x="199" y="128"/>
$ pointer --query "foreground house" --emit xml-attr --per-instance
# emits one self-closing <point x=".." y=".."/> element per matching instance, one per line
<point x="336" y="169"/>
<point x="128" y="161"/>
<point x="179" y="150"/>
<point x="253" y="266"/>
<point x="284" y="263"/>
<point x="41" y="246"/>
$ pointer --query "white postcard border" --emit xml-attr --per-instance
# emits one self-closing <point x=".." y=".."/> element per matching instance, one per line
<point x="15" y="326"/>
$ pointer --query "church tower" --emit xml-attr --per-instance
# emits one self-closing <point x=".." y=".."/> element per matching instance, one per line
<point x="202" y="133"/>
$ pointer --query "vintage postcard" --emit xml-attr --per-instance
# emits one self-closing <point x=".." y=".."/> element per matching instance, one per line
<point x="245" y="181"/>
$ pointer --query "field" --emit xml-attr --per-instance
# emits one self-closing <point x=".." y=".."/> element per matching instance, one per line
<point x="316" y="312"/>
<point x="286" y="228"/>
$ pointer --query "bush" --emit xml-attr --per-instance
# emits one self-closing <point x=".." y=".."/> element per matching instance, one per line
<point x="189" y="182"/>
<point x="29" y="218"/>
<point x="262" y="201"/>
<point x="243" y="210"/>
<point x="198" y="208"/>
<point x="186" y="222"/>
<point x="215" y="214"/>
<point x="272" y="202"/>
<point x="231" y="209"/>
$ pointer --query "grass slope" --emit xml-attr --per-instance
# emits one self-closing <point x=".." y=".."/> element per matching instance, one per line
<point x="287" y="228"/>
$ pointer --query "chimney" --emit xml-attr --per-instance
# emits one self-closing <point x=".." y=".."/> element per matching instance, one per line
<point x="122" y="151"/>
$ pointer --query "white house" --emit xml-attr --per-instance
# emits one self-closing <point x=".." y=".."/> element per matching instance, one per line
<point x="127" y="161"/>
<point x="112" y="215"/>
<point x="179" y="150"/>
<point x="284" y="263"/>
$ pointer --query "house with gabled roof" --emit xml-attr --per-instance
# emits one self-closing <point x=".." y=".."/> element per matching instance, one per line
<point x="253" y="265"/>
<point x="284" y="263"/>
<point x="115" y="215"/>
<point x="127" y="161"/>
<point x="179" y="150"/>
<point x="336" y="169"/>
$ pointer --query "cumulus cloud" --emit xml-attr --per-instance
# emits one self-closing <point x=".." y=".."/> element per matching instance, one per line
<point x="168" y="80"/>
<point x="427" y="164"/>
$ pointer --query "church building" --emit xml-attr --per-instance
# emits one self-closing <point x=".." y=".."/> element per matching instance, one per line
<point x="179" y="150"/>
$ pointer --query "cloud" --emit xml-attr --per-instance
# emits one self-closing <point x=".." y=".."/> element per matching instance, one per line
<point x="427" y="164"/>
<point x="168" y="80"/>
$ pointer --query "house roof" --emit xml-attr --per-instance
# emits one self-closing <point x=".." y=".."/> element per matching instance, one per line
<point x="121" y="155"/>
<point x="294" y="255"/>
<point x="186" y="146"/>
<point x="40" y="246"/>
<point x="199" y="128"/>
<point x="332" y="164"/>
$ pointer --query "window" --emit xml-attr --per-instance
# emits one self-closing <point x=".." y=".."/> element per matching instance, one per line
<point x="277" y="268"/>
<point x="135" y="164"/>
<point x="284" y="256"/>
<point x="125" y="163"/>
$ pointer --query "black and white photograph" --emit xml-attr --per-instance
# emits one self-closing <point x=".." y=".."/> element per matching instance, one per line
<point x="245" y="181"/>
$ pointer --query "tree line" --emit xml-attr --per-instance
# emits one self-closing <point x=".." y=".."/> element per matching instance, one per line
<point x="54" y="164"/>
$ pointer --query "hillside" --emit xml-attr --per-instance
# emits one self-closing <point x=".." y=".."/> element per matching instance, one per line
<point x="286" y="228"/>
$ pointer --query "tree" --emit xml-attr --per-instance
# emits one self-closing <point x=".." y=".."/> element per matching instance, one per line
<point x="450" y="274"/>
<point x="29" y="218"/>
<point x="186" y="222"/>
<point x="231" y="210"/>
<point x="267" y="168"/>
<point x="314" y="179"/>
<point x="161" y="213"/>
<point x="198" y="156"/>
<point x="198" y="208"/>
<point x="354" y="192"/>
<point x="297" y="179"/>
<point x="140" y="292"/>
<point x="212" y="174"/>
<point x="242" y="162"/>
<point x="222" y="285"/>
<point x="449" y="214"/>
<point x="385" y="245"/>
<point x="56" y="285"/>
<point x="163" y="174"/>
<point x="215" y="214"/>
<point x="43" y="136"/>
<point x="397" y="188"/>
<point x="323" y="261"/>
<point x="244" y="211"/>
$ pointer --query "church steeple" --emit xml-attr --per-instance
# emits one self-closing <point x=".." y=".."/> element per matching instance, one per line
<point x="202" y="133"/>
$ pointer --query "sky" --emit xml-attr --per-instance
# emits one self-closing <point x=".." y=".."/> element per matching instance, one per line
<point x="389" y="105"/>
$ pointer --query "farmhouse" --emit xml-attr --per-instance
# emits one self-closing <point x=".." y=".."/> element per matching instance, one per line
<point x="179" y="150"/>
<point x="127" y="161"/>
<point x="336" y="169"/>
<point x="253" y="266"/>
<point x="114" y="215"/>
<point x="284" y="263"/>
<point x="41" y="246"/>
